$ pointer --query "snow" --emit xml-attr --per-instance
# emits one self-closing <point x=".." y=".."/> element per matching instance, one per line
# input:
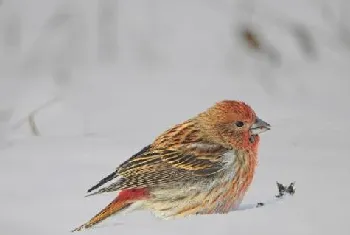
<point x="175" y="59"/>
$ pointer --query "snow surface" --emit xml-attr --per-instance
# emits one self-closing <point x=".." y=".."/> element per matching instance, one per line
<point x="175" y="59"/>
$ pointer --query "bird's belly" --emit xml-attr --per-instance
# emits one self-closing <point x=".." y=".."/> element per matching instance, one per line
<point x="226" y="198"/>
<point x="173" y="203"/>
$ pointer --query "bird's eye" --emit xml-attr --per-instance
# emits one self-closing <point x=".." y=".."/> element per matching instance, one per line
<point x="239" y="124"/>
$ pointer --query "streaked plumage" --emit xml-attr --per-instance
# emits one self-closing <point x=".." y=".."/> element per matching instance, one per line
<point x="201" y="166"/>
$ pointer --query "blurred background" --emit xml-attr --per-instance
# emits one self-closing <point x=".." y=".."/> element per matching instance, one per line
<point x="84" y="84"/>
<point x="106" y="67"/>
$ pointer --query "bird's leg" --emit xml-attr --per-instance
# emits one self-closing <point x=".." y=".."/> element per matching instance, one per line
<point x="283" y="192"/>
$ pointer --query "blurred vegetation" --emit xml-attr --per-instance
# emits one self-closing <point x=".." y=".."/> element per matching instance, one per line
<point x="56" y="39"/>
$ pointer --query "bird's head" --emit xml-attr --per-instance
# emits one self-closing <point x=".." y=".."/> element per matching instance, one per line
<point x="233" y="124"/>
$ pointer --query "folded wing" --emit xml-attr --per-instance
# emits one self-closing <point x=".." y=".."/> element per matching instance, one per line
<point x="161" y="167"/>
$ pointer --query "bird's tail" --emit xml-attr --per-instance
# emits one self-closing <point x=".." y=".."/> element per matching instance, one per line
<point x="125" y="199"/>
<point x="115" y="206"/>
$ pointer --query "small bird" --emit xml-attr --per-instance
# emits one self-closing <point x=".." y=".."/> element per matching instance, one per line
<point x="204" y="165"/>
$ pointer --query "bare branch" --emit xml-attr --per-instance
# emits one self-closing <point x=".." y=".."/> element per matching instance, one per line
<point x="255" y="42"/>
<point x="305" y="40"/>
<point x="31" y="118"/>
<point x="34" y="129"/>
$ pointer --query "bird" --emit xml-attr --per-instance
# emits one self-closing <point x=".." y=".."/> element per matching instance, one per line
<point x="204" y="165"/>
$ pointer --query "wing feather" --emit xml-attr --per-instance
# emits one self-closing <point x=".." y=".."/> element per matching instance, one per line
<point x="157" y="167"/>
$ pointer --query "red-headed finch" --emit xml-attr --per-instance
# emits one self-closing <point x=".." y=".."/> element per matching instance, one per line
<point x="201" y="166"/>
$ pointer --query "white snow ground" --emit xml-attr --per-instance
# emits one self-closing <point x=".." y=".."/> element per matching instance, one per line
<point x="176" y="58"/>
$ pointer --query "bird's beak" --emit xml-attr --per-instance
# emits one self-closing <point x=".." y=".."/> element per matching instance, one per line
<point x="259" y="127"/>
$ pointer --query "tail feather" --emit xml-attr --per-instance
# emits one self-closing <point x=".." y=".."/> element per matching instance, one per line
<point x="115" y="206"/>
<point x="125" y="199"/>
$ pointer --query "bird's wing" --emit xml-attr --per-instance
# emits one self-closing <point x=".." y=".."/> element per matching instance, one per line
<point x="152" y="167"/>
